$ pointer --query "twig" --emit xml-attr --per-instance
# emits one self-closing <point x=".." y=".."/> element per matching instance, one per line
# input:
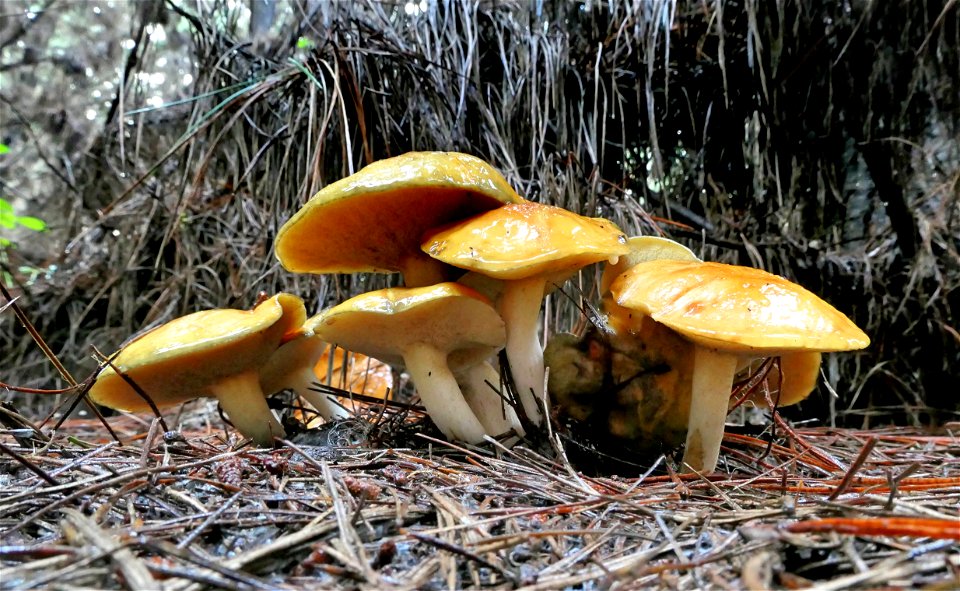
<point x="460" y="551"/>
<point x="854" y="468"/>
<point x="28" y="464"/>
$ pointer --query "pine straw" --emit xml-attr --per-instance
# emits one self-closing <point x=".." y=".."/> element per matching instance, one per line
<point x="823" y="508"/>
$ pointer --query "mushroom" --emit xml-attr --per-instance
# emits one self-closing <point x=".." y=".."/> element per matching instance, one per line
<point x="529" y="247"/>
<point x="291" y="367"/>
<point x="372" y="221"/>
<point x="214" y="353"/>
<point x="643" y="249"/>
<point x="792" y="382"/>
<point x="730" y="313"/>
<point x="434" y="331"/>
<point x="354" y="372"/>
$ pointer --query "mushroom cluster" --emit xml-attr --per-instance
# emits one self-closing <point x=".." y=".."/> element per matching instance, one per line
<point x="682" y="329"/>
<point x="477" y="261"/>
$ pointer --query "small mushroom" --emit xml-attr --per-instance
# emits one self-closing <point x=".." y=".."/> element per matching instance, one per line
<point x="434" y="331"/>
<point x="215" y="353"/>
<point x="529" y="247"/>
<point x="290" y="367"/>
<point x="372" y="221"/>
<point x="793" y="381"/>
<point x="354" y="372"/>
<point x="729" y="312"/>
<point x="643" y="249"/>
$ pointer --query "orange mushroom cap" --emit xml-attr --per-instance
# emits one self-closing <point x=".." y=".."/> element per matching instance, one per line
<point x="372" y="221"/>
<point x="736" y="309"/>
<point x="215" y="353"/>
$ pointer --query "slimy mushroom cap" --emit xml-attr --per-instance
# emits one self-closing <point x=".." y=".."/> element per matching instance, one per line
<point x="208" y="353"/>
<point x="372" y="221"/>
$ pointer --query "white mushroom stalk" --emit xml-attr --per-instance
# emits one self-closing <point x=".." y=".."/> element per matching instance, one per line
<point x="519" y="306"/>
<point x="441" y="394"/>
<point x="713" y="373"/>
<point x="419" y="270"/>
<point x="480" y="386"/>
<point x="241" y="397"/>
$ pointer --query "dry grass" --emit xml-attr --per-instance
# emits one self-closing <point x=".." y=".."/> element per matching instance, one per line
<point x="820" y="508"/>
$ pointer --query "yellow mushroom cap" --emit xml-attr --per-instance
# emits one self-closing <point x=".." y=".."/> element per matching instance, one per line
<point x="736" y="309"/>
<point x="434" y="331"/>
<point x="526" y="239"/>
<point x="182" y="359"/>
<point x="372" y="221"/>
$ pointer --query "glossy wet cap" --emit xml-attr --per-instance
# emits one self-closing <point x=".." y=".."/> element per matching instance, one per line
<point x="524" y="240"/>
<point x="372" y="221"/>
<point x="179" y="360"/>
<point x="736" y="309"/>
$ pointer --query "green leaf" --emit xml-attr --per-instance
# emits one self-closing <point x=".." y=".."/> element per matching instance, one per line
<point x="304" y="43"/>
<point x="5" y="206"/>
<point x="4" y="242"/>
<point x="4" y="148"/>
<point x="32" y="223"/>
<point x="7" y="219"/>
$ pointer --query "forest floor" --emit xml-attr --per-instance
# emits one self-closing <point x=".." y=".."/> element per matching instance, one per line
<point x="350" y="507"/>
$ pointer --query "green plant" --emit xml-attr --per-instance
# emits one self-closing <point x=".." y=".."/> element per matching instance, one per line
<point x="10" y="220"/>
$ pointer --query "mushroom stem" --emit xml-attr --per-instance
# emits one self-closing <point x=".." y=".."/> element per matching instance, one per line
<point x="291" y="368"/>
<point x="480" y="386"/>
<point x="302" y="381"/>
<point x="440" y="393"/>
<point x="713" y="373"/>
<point x="520" y="310"/>
<point x="242" y="399"/>
<point x="420" y="271"/>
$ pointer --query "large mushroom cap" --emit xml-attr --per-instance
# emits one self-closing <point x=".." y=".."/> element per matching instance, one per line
<point x="736" y="309"/>
<point x="526" y="239"/>
<point x="384" y="323"/>
<point x="372" y="221"/>
<point x="182" y="359"/>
